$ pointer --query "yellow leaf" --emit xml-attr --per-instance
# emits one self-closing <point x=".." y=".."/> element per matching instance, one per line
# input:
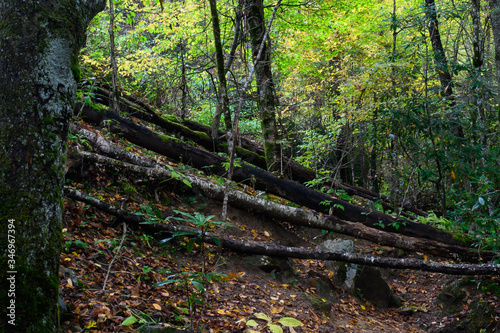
<point x="277" y="309"/>
<point x="453" y="176"/>
<point x="157" y="306"/>
<point x="91" y="324"/>
<point x="363" y="307"/>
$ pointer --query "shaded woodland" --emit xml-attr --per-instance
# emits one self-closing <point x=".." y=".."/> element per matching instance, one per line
<point x="375" y="123"/>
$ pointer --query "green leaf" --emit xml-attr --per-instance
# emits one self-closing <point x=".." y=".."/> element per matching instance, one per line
<point x="190" y="245"/>
<point x="263" y="316"/>
<point x="289" y="322"/>
<point x="80" y="244"/>
<point x="187" y="182"/>
<point x="275" y="328"/>
<point x="217" y="241"/>
<point x="252" y="323"/>
<point x="129" y="321"/>
<point x="157" y="213"/>
<point x="198" y="285"/>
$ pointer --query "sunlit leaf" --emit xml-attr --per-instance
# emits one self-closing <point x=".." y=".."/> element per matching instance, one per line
<point x="262" y="316"/>
<point x="129" y="321"/>
<point x="275" y="328"/>
<point x="252" y="323"/>
<point x="289" y="322"/>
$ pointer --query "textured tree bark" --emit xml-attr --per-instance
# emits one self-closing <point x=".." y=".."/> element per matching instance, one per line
<point x="39" y="44"/>
<point x="112" y="57"/>
<point x="265" y="85"/>
<point x="437" y="47"/>
<point x="274" y="250"/>
<point x="495" y="27"/>
<point x="477" y="114"/>
<point x="223" y="99"/>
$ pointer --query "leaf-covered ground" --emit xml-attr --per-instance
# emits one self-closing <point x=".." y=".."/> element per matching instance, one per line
<point x="91" y="238"/>
<point x="108" y="288"/>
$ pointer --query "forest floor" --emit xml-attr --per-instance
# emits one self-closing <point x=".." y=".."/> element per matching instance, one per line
<point x="91" y="239"/>
<point x="115" y="279"/>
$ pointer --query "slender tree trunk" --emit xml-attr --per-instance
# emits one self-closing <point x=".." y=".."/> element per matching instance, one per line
<point x="223" y="99"/>
<point x="477" y="113"/>
<point x="437" y="47"/>
<point x="495" y="26"/>
<point x="39" y="43"/>
<point x="373" y="155"/>
<point x="184" y="110"/>
<point x="112" y="56"/>
<point x="237" y="32"/>
<point x="265" y="84"/>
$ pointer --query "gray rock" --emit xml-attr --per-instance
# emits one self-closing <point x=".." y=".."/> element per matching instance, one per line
<point x="373" y="287"/>
<point x="344" y="273"/>
<point x="364" y="280"/>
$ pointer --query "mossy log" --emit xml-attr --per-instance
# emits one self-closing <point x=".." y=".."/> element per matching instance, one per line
<point x="249" y="151"/>
<point x="146" y="167"/>
<point x="263" y="180"/>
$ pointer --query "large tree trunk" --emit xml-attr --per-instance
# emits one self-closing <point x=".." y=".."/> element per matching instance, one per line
<point x="265" y="85"/>
<point x="39" y="43"/>
<point x="275" y="250"/>
<point x="262" y="180"/>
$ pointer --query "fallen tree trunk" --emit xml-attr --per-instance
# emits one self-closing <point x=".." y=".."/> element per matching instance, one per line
<point x="292" y="215"/>
<point x="247" y="150"/>
<point x="274" y="250"/>
<point x="262" y="180"/>
<point x="169" y="123"/>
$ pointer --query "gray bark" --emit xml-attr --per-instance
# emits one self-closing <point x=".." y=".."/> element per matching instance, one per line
<point x="437" y="47"/>
<point x="112" y="58"/>
<point x="223" y="99"/>
<point x="39" y="44"/>
<point x="265" y="83"/>
<point x="495" y="26"/>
